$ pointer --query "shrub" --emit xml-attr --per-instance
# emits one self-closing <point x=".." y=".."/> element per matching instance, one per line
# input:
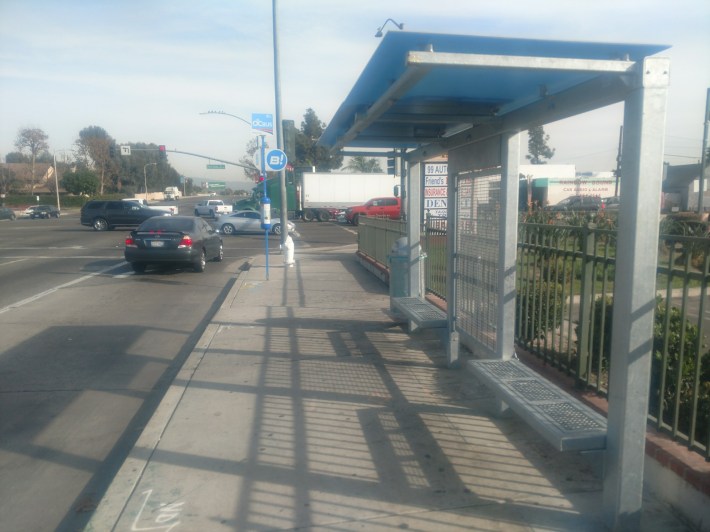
<point x="541" y="307"/>
<point x="681" y="336"/>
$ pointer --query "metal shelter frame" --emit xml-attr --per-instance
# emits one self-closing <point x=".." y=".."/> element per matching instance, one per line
<point x="471" y="97"/>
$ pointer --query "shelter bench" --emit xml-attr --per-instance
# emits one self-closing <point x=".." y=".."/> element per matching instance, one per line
<point x="420" y="313"/>
<point x="565" y="422"/>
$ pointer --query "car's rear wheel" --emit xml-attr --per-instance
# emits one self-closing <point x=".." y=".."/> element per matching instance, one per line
<point x="138" y="267"/>
<point x="220" y="255"/>
<point x="100" y="224"/>
<point x="356" y="219"/>
<point x="227" y="229"/>
<point x="197" y="213"/>
<point x="12" y="217"/>
<point x="276" y="229"/>
<point x="211" y="214"/>
<point x="200" y="263"/>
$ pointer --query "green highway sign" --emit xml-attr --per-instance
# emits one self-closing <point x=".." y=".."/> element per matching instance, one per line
<point x="216" y="184"/>
<point x="215" y="167"/>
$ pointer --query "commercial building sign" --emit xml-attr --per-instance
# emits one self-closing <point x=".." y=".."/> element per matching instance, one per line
<point x="435" y="189"/>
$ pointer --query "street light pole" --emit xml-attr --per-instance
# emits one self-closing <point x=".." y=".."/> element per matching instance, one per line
<point x="279" y="124"/>
<point x="145" y="180"/>
<point x="56" y="176"/>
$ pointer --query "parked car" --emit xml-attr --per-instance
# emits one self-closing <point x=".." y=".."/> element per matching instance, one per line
<point x="181" y="240"/>
<point x="381" y="207"/>
<point x="7" y="214"/>
<point x="103" y="215"/>
<point x="577" y="203"/>
<point x="248" y="222"/>
<point x="611" y="204"/>
<point x="45" y="211"/>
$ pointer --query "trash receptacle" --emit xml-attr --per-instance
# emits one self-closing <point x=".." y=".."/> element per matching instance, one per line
<point x="398" y="260"/>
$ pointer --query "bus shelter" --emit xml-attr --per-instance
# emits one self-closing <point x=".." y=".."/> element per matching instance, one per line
<point x="470" y="97"/>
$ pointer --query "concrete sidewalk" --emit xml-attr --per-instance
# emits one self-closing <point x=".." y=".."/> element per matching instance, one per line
<point x="306" y="406"/>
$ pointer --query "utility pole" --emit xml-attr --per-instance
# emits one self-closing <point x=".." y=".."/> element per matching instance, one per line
<point x="703" y="154"/>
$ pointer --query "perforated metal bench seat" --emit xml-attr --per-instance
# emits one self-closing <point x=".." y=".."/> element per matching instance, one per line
<point x="561" y="419"/>
<point x="420" y="311"/>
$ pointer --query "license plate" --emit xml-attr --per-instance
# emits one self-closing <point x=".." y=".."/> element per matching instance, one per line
<point x="157" y="244"/>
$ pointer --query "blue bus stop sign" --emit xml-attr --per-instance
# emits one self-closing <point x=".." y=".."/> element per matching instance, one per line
<point x="275" y="160"/>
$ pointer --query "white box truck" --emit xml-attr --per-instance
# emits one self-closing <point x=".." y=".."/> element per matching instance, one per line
<point x="321" y="196"/>
<point x="172" y="193"/>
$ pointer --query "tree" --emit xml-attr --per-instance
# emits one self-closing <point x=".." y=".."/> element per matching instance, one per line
<point x="8" y="180"/>
<point x="308" y="153"/>
<point x="16" y="157"/>
<point x="537" y="146"/>
<point x="83" y="182"/>
<point x="363" y="165"/>
<point x="94" y="150"/>
<point x="252" y="172"/>
<point x="34" y="141"/>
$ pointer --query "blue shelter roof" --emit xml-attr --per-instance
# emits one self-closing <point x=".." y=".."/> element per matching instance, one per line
<point x="449" y="94"/>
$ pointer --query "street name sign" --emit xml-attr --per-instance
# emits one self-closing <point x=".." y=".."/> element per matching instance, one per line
<point x="215" y="167"/>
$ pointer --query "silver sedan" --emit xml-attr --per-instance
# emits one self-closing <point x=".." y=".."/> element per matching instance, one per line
<point x="248" y="222"/>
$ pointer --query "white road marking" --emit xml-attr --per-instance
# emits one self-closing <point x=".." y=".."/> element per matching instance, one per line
<point x="59" y="287"/>
<point x="11" y="262"/>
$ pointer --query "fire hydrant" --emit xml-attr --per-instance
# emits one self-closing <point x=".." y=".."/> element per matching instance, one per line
<point x="288" y="251"/>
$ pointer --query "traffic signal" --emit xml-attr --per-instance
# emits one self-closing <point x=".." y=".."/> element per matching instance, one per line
<point x="161" y="151"/>
<point x="391" y="166"/>
<point x="112" y="151"/>
<point x="261" y="179"/>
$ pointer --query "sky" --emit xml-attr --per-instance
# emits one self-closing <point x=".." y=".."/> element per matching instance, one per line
<point x="146" y="70"/>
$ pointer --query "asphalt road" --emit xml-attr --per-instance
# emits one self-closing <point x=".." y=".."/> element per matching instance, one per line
<point x="88" y="349"/>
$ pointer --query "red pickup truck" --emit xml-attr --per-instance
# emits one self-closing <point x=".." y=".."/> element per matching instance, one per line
<point x="378" y="207"/>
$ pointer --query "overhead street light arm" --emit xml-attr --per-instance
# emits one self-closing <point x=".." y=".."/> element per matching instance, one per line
<point x="227" y="114"/>
<point x="379" y="30"/>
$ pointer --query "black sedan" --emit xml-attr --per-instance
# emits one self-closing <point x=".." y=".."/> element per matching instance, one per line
<point x="180" y="240"/>
<point x="45" y="211"/>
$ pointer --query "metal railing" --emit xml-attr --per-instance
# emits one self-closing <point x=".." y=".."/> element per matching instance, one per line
<point x="565" y="286"/>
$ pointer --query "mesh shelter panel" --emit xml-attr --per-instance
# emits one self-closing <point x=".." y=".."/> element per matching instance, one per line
<point x="477" y="252"/>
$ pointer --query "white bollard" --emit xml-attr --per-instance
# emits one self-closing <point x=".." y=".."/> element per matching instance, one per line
<point x="288" y="251"/>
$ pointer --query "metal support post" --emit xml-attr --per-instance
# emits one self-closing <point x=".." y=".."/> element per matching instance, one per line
<point x="414" y="225"/>
<point x="634" y="294"/>
<point x="508" y="247"/>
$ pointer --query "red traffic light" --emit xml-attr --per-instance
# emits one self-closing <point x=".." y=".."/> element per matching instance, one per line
<point x="261" y="179"/>
<point x="161" y="148"/>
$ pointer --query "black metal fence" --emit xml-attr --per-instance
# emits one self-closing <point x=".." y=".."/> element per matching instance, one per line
<point x="565" y="287"/>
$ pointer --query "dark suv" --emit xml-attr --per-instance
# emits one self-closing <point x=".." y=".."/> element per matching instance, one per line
<point x="103" y="215"/>
<point x="577" y="203"/>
